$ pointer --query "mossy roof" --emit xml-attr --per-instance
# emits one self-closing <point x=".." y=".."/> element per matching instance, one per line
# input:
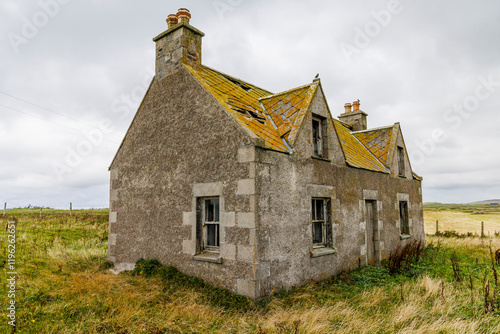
<point x="378" y="141"/>
<point x="276" y="118"/>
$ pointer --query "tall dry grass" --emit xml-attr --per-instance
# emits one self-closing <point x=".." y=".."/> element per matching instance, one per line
<point x="65" y="287"/>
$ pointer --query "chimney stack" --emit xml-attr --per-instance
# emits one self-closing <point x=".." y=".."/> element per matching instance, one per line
<point x="183" y="15"/>
<point x="355" y="117"/>
<point x="180" y="44"/>
<point x="172" y="20"/>
<point x="355" y="106"/>
<point x="347" y="107"/>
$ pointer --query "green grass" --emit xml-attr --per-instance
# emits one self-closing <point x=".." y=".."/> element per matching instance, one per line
<point x="64" y="286"/>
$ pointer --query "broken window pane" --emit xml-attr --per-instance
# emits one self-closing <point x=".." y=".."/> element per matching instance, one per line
<point x="213" y="235"/>
<point x="403" y="217"/>
<point x="319" y="210"/>
<point x="317" y="232"/>
<point x="209" y="210"/>
<point x="216" y="214"/>
<point x="401" y="161"/>
<point x="316" y="130"/>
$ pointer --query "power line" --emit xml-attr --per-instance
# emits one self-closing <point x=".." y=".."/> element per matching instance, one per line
<point x="49" y="121"/>
<point x="54" y="112"/>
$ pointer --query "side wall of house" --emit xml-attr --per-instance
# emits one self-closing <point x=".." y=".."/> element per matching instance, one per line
<point x="286" y="186"/>
<point x="181" y="146"/>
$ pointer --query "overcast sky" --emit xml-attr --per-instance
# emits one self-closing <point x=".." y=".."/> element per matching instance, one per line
<point x="72" y="74"/>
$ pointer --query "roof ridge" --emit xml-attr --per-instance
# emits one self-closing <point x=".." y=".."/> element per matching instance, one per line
<point x="374" y="129"/>
<point x="286" y="91"/>
<point x="344" y="124"/>
<point x="235" y="78"/>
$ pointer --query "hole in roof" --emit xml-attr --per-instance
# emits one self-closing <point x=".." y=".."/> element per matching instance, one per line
<point x="240" y="84"/>
<point x="251" y="113"/>
<point x="257" y="116"/>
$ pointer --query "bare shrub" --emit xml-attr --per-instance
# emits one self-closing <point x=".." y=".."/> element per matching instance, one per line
<point x="402" y="258"/>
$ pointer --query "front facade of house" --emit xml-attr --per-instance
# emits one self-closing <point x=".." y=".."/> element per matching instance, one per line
<point x="254" y="191"/>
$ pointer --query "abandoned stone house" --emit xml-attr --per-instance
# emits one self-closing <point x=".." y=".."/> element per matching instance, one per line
<point x="251" y="190"/>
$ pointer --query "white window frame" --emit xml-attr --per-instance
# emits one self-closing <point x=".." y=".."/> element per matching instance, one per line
<point x="205" y="223"/>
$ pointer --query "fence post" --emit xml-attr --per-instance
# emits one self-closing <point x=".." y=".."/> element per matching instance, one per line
<point x="437" y="226"/>
<point x="482" y="229"/>
<point x="4" y="209"/>
<point x="70" y="208"/>
<point x="40" y="212"/>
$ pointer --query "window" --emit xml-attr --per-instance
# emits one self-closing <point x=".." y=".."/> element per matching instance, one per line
<point x="317" y="144"/>
<point x="403" y="218"/>
<point x="401" y="161"/>
<point x="211" y="224"/>
<point x="318" y="223"/>
<point x="319" y="137"/>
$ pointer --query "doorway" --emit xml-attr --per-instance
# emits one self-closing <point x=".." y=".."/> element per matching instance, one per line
<point x="371" y="231"/>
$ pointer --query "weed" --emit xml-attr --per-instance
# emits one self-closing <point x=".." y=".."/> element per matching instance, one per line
<point x="402" y="258"/>
<point x="454" y="234"/>
<point x="146" y="268"/>
<point x="457" y="273"/>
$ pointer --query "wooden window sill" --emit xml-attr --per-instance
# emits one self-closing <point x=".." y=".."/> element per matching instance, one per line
<point x="405" y="236"/>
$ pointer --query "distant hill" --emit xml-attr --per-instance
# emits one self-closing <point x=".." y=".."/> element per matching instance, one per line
<point x="487" y="202"/>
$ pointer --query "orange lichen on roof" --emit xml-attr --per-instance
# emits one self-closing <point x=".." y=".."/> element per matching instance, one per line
<point x="277" y="117"/>
<point x="377" y="141"/>
<point x="356" y="154"/>
<point x="288" y="108"/>
<point x="417" y="177"/>
<point x="241" y="100"/>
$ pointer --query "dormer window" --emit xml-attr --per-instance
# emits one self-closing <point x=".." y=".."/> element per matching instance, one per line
<point x="319" y="137"/>
<point x="401" y="161"/>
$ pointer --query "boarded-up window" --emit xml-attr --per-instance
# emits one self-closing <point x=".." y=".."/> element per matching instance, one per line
<point x="403" y="217"/>
<point x="401" y="161"/>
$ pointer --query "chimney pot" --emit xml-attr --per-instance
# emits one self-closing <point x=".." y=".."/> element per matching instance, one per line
<point x="172" y="20"/>
<point x="347" y="107"/>
<point x="355" y="106"/>
<point x="183" y="15"/>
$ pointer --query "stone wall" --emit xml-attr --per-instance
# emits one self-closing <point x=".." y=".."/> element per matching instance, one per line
<point x="286" y="185"/>
<point x="181" y="145"/>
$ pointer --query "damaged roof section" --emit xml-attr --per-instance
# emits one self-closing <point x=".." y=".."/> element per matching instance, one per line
<point x="288" y="108"/>
<point x="378" y="141"/>
<point x="356" y="154"/>
<point x="276" y="118"/>
<point x="241" y="100"/>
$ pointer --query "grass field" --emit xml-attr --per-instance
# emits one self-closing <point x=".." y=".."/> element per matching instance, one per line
<point x="461" y="218"/>
<point x="63" y="285"/>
